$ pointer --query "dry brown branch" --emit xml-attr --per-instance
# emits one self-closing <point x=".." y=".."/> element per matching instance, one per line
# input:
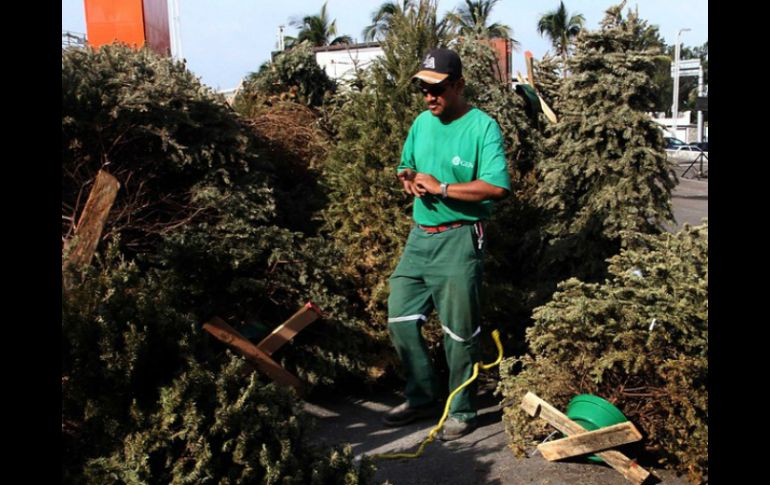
<point x="292" y="129"/>
<point x="138" y="215"/>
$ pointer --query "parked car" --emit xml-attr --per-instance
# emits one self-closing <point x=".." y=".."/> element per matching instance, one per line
<point x="684" y="153"/>
<point x="688" y="148"/>
<point x="673" y="143"/>
<point x="704" y="145"/>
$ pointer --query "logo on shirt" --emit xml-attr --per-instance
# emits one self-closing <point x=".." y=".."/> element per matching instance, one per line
<point x="429" y="62"/>
<point x="459" y="161"/>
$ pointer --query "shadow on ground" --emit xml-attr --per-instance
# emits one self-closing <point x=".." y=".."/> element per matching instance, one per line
<point x="470" y="459"/>
<point x="481" y="457"/>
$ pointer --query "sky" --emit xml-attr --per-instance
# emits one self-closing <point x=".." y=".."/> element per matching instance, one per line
<point x="225" y="40"/>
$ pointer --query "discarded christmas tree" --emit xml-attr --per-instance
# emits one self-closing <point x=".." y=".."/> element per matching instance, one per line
<point x="639" y="339"/>
<point x="605" y="169"/>
<point x="634" y="331"/>
<point x="147" y="398"/>
<point x="200" y="227"/>
<point x="293" y="75"/>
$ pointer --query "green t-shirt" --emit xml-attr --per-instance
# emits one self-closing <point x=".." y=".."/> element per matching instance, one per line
<point x="469" y="148"/>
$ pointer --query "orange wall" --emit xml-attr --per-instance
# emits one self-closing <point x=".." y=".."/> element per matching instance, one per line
<point x="111" y="20"/>
<point x="134" y="22"/>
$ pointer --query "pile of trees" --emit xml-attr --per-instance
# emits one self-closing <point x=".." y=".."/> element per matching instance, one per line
<point x="201" y="227"/>
<point x="604" y="169"/>
<point x="634" y="331"/>
<point x="292" y="76"/>
<point x="147" y="397"/>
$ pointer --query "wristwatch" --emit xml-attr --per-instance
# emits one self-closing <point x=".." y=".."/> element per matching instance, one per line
<point x="444" y="187"/>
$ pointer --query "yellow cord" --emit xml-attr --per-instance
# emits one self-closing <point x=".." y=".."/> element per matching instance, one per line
<point x="434" y="431"/>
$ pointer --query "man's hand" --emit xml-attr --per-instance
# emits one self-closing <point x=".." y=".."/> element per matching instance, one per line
<point x="406" y="177"/>
<point x="426" y="183"/>
<point x="419" y="184"/>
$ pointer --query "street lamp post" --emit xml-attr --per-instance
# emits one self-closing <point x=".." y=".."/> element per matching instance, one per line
<point x="281" y="44"/>
<point x="675" y="107"/>
<point x="700" y="112"/>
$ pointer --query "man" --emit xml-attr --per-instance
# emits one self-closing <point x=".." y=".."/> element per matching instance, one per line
<point x="453" y="163"/>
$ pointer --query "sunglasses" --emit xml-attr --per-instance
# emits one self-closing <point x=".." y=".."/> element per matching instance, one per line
<point x="434" y="89"/>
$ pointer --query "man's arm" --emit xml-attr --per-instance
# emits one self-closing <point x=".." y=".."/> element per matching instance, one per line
<point x="474" y="191"/>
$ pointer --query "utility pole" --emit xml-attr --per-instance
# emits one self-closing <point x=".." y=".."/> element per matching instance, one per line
<point x="176" y="30"/>
<point x="675" y="107"/>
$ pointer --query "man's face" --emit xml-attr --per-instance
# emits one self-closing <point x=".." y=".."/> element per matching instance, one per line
<point x="442" y="98"/>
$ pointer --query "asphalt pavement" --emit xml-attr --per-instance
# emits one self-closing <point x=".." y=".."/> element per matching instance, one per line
<point x="690" y="199"/>
<point x="481" y="457"/>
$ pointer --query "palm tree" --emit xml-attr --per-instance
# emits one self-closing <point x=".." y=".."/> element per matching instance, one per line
<point x="471" y="21"/>
<point x="383" y="17"/>
<point x="318" y="30"/>
<point x="560" y="28"/>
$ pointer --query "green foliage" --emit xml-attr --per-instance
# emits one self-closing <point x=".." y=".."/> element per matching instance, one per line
<point x="560" y="28"/>
<point x="639" y="339"/>
<point x="158" y="130"/>
<point x="317" y="30"/>
<point x="147" y="399"/>
<point x="485" y="91"/>
<point x="253" y="275"/>
<point x="293" y="74"/>
<point x="647" y="38"/>
<point x="413" y="31"/>
<point x="605" y="170"/>
<point x="382" y="16"/>
<point x="471" y="19"/>
<point x="230" y="249"/>
<point x="216" y="425"/>
<point x="208" y="236"/>
<point x="548" y="81"/>
<point x="122" y="339"/>
<point x="293" y="134"/>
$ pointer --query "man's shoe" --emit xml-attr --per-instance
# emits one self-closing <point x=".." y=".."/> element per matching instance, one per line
<point x="404" y="414"/>
<point x="454" y="428"/>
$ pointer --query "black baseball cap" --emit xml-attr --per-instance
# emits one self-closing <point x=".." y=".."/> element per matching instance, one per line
<point x="438" y="65"/>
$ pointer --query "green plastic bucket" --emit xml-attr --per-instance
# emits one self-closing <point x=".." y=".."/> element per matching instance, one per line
<point x="592" y="413"/>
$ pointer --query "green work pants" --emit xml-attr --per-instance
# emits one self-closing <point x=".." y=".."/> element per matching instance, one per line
<point x="442" y="271"/>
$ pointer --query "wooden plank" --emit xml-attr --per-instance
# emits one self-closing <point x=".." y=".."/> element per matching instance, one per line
<point x="547" y="111"/>
<point x="536" y="407"/>
<point x="590" y="442"/>
<point x="288" y="329"/>
<point x="530" y="73"/>
<point x="227" y="334"/>
<point x="92" y="219"/>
